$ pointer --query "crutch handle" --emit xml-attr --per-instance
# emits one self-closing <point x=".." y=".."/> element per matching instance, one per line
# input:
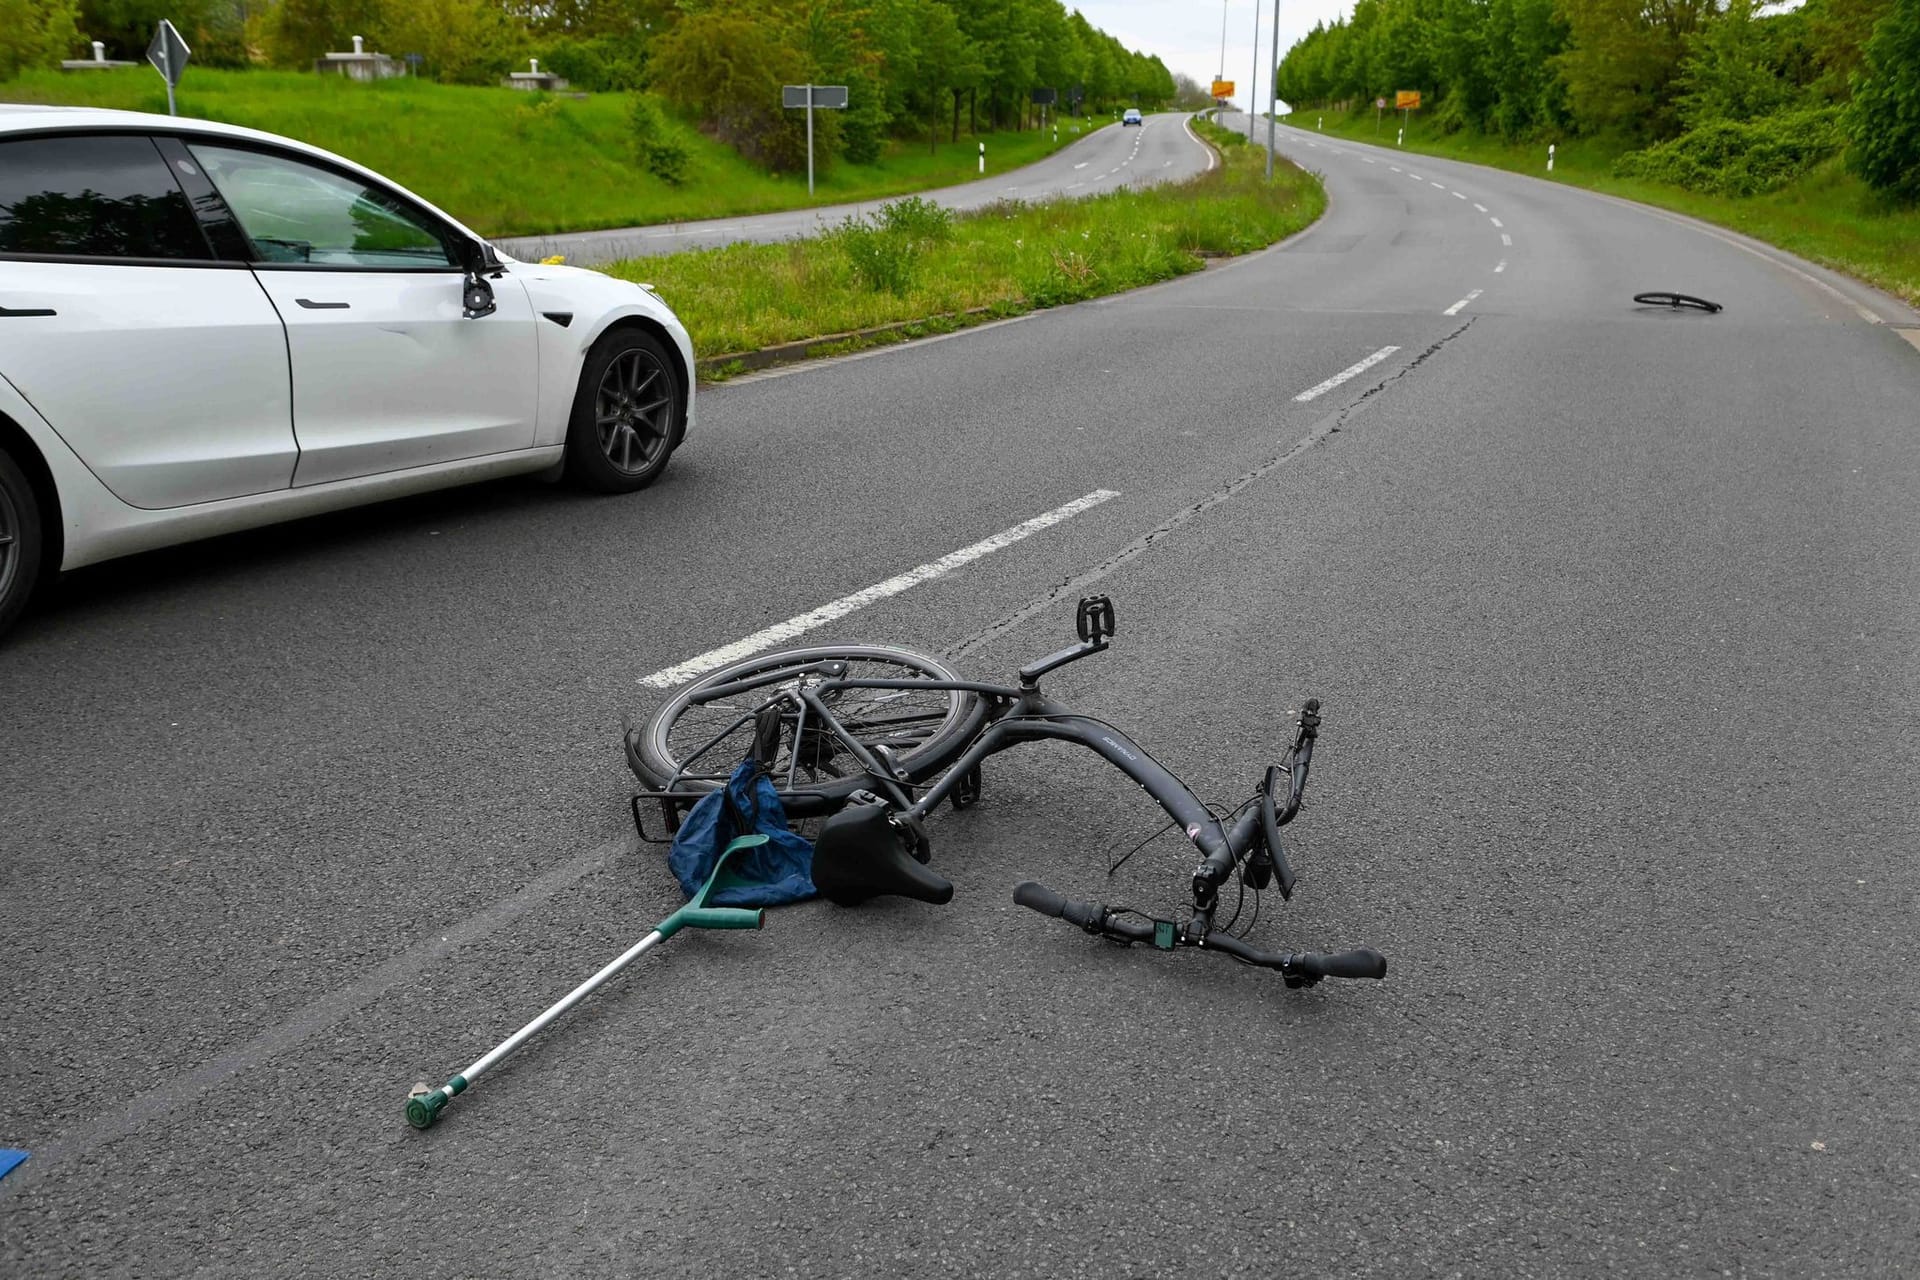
<point x="712" y="918"/>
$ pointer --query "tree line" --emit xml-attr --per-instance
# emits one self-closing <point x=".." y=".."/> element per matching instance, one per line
<point x="912" y="67"/>
<point x="1733" y="95"/>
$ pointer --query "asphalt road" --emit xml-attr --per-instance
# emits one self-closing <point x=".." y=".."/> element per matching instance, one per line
<point x="1615" y="614"/>
<point x="1161" y="149"/>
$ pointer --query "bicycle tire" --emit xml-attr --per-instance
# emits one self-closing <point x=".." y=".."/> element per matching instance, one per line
<point x="1663" y="298"/>
<point x="934" y="731"/>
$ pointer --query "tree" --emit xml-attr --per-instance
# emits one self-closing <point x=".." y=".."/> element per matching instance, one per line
<point x="727" y="66"/>
<point x="1883" y="119"/>
<point x="1623" y="58"/>
<point x="1727" y="74"/>
<point x="36" y="33"/>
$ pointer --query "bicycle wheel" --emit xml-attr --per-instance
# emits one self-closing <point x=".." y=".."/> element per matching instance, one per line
<point x="697" y="739"/>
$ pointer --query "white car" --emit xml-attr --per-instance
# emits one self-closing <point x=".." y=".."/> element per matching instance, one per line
<point x="204" y="328"/>
<point x="1132" y="116"/>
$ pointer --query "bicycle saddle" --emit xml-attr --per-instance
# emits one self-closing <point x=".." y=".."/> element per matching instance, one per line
<point x="861" y="854"/>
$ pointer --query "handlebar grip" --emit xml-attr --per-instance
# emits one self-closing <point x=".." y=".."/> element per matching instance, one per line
<point x="1363" y="963"/>
<point x="1091" y="916"/>
<point x="1035" y="896"/>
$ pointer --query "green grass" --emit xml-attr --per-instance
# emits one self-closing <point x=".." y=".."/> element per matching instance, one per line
<point x="1828" y="216"/>
<point x="512" y="163"/>
<point x="929" y="269"/>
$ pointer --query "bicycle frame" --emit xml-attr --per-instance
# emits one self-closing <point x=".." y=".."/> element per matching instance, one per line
<point x="1024" y="714"/>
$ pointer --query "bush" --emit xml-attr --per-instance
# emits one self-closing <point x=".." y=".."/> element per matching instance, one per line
<point x="1883" y="120"/>
<point x="1740" y="158"/>
<point x="604" y="64"/>
<point x="917" y="219"/>
<point x="882" y="258"/>
<point x="661" y="147"/>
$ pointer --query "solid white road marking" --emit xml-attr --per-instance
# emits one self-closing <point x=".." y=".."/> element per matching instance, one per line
<point x="1502" y="267"/>
<point x="1340" y="377"/>
<point x="1506" y="239"/>
<point x="1454" y="310"/>
<point x="713" y="659"/>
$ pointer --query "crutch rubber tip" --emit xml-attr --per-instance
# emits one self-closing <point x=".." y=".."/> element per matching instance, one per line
<point x="423" y="1109"/>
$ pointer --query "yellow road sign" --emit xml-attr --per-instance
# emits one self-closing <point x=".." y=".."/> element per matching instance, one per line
<point x="1223" y="88"/>
<point x="1406" y="100"/>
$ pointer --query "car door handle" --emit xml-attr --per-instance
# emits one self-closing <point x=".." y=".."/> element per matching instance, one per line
<point x="311" y="305"/>
<point x="28" y="311"/>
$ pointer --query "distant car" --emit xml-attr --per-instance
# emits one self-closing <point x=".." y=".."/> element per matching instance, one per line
<point x="1132" y="116"/>
<point x="205" y="328"/>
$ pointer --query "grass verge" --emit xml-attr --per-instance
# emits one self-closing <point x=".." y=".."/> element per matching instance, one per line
<point x="1828" y="216"/>
<point x="919" y="264"/>
<point x="510" y="163"/>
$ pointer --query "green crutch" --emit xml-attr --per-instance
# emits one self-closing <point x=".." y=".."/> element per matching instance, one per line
<point x="424" y="1104"/>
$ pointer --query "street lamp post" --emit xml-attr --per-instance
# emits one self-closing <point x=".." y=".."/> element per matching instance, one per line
<point x="1253" y="85"/>
<point x="1273" y="70"/>
<point x="1223" y="39"/>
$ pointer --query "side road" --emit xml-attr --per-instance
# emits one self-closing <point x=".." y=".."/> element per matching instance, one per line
<point x="1161" y="150"/>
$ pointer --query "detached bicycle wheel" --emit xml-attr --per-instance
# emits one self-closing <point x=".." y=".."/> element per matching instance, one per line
<point x="702" y="733"/>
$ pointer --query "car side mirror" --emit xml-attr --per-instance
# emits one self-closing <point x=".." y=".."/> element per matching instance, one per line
<point x="476" y="295"/>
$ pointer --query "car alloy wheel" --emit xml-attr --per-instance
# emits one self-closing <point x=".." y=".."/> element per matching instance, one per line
<point x="633" y="411"/>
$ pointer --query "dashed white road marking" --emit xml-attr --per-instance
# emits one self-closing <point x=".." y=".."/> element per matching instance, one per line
<point x="1496" y="222"/>
<point x="1353" y="371"/>
<point x="1482" y="208"/>
<point x="1502" y="267"/>
<point x="780" y="632"/>
<point x="1506" y="239"/>
<point x="1365" y="160"/>
<point x="1459" y="196"/>
<point x="1072" y="185"/>
<point x="1416" y="177"/>
<point x="1455" y="309"/>
<point x="1441" y="185"/>
<point x="1396" y="168"/>
<point x="1083" y="164"/>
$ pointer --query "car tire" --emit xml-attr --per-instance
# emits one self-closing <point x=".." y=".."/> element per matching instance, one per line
<point x="628" y="414"/>
<point x="20" y="540"/>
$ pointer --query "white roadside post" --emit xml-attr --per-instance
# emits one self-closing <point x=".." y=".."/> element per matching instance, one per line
<point x="983" y="157"/>
<point x="1550" y="157"/>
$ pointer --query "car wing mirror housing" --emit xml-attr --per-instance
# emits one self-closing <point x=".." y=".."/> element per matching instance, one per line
<point x="476" y="294"/>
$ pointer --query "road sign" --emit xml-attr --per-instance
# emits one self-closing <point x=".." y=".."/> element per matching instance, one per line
<point x="823" y="95"/>
<point x="1379" y="103"/>
<point x="1223" y="88"/>
<point x="1045" y="97"/>
<point x="1406" y="100"/>
<point x="811" y="96"/>
<point x="168" y="53"/>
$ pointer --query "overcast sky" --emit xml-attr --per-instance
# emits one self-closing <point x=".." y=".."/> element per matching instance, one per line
<point x="1185" y="34"/>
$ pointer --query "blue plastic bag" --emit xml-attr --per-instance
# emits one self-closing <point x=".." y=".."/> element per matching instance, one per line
<point x="779" y="871"/>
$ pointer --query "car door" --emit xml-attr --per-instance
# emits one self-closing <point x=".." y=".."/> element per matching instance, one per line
<point x="388" y="370"/>
<point x="162" y="367"/>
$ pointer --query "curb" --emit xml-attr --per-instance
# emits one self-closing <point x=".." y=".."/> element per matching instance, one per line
<point x="789" y="352"/>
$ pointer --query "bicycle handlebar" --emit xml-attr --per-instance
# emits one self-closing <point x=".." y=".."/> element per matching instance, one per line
<point x="1302" y="968"/>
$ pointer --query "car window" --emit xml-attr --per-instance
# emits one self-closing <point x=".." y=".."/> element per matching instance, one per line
<point x="302" y="215"/>
<point x="94" y="197"/>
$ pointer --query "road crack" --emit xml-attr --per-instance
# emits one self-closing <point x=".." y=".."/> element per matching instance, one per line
<point x="1074" y="585"/>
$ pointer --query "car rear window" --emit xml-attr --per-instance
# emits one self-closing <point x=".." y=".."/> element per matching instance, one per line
<point x="94" y="197"/>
